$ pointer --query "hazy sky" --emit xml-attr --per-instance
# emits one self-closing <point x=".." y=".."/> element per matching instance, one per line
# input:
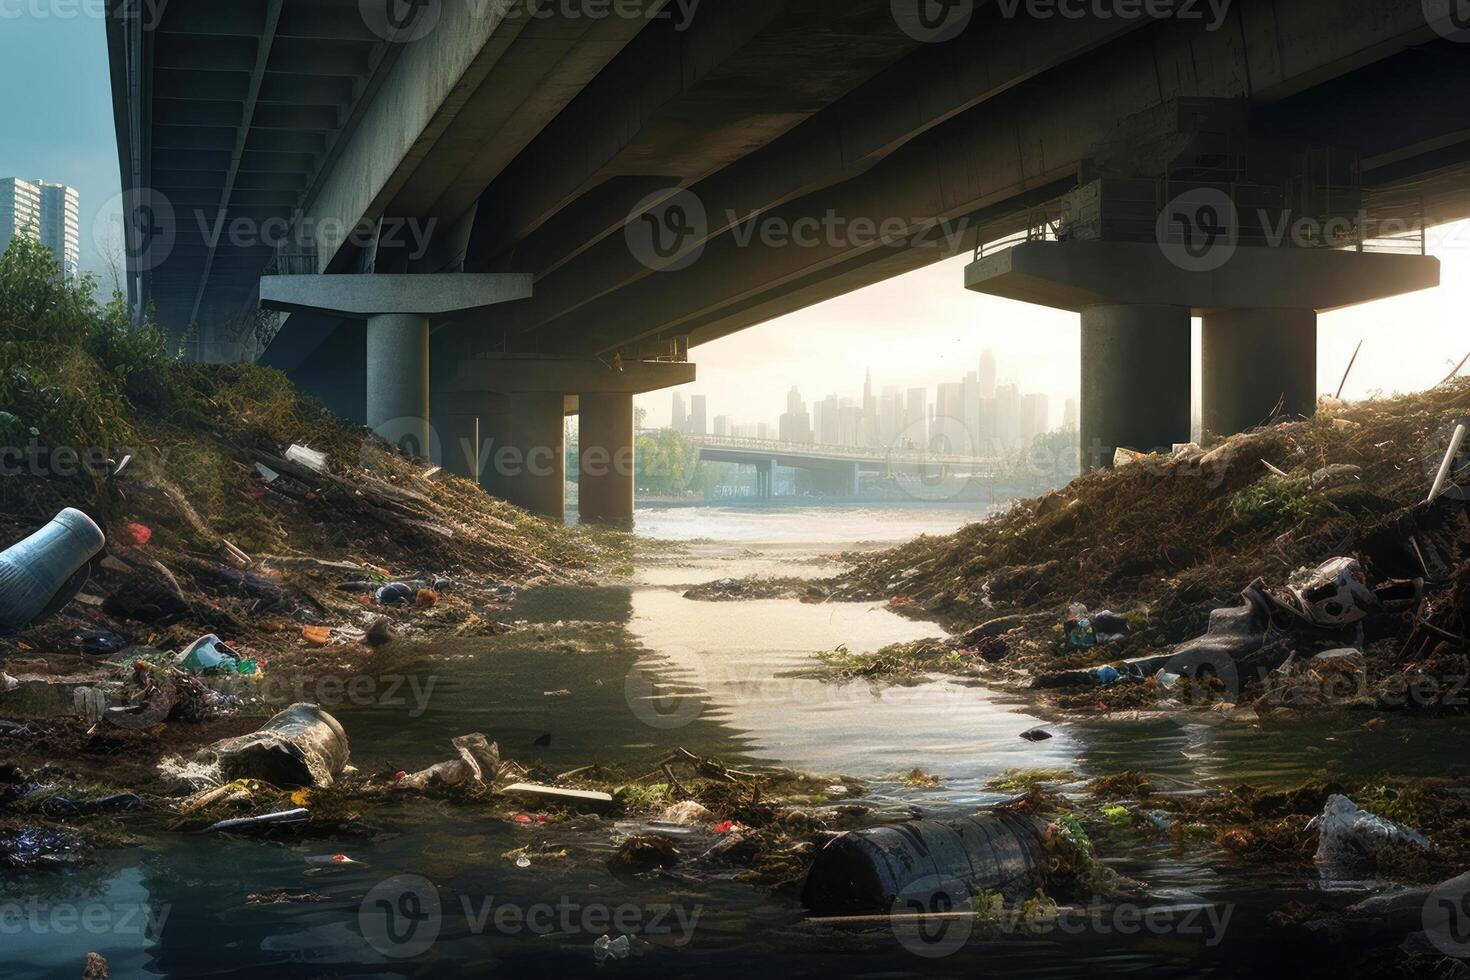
<point x="925" y="327"/>
<point x="917" y="329"/>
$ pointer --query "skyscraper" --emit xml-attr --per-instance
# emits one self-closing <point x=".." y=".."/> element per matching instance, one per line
<point x="698" y="425"/>
<point x="20" y="209"/>
<point x="48" y="213"/>
<point x="796" y="423"/>
<point x="1069" y="415"/>
<point x="987" y="374"/>
<point x="1035" y="417"/>
<point x="680" y="419"/>
<point x="61" y="226"/>
<point x="868" y="421"/>
<point x="916" y="418"/>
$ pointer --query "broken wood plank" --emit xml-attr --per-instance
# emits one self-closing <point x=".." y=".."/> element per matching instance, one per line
<point x="553" y="794"/>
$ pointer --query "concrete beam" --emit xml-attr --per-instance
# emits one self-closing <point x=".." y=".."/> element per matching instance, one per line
<point x="1078" y="275"/>
<point x="686" y="99"/>
<point x="906" y="100"/>
<point x="561" y="375"/>
<point x="360" y="297"/>
<point x="1034" y="135"/>
<point x="429" y="82"/>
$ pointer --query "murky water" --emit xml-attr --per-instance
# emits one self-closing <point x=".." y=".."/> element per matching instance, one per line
<point x="719" y="678"/>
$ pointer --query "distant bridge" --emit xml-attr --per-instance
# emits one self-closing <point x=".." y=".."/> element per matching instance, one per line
<point x="845" y="463"/>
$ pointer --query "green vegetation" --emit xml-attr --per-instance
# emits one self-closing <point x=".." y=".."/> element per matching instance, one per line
<point x="1028" y="780"/>
<point x="1276" y="502"/>
<point x="668" y="466"/>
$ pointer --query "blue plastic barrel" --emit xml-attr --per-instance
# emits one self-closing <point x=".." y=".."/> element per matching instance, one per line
<point x="34" y="572"/>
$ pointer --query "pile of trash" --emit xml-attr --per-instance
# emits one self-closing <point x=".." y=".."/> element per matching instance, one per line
<point x="1345" y="531"/>
<point x="145" y="493"/>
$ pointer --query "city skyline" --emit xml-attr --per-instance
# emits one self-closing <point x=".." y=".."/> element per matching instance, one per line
<point x="973" y="415"/>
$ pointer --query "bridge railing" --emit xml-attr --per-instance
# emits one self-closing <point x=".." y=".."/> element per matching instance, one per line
<point x="874" y="453"/>
<point x="1296" y="214"/>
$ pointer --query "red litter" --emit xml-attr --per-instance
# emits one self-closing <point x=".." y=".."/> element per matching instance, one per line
<point x="136" y="535"/>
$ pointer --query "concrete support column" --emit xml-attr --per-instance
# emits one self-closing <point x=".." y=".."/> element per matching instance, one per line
<point x="1257" y="363"/>
<point x="1135" y="379"/>
<point x="533" y="470"/>
<point x="459" y="444"/>
<point x="398" y="380"/>
<point x="494" y="438"/>
<point x="605" y="459"/>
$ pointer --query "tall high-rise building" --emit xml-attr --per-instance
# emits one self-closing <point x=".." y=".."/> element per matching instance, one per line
<point x="796" y="423"/>
<point x="1069" y="415"/>
<point x="20" y="209"/>
<point x="828" y="421"/>
<point x="722" y="425"/>
<point x="48" y="213"/>
<point x="890" y="416"/>
<point x="61" y="226"/>
<point x="947" y="433"/>
<point x="916" y="418"/>
<point x="680" y="419"/>
<point x="868" y="421"/>
<point x="1035" y="417"/>
<point x="987" y="374"/>
<point x="698" y="419"/>
<point x="1007" y="416"/>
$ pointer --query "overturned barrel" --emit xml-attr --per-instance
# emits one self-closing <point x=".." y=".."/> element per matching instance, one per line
<point x="301" y="746"/>
<point x="42" y="573"/>
<point x="925" y="865"/>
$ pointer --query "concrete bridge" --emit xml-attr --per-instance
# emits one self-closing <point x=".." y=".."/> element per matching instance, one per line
<point x="840" y="465"/>
<point x="590" y="189"/>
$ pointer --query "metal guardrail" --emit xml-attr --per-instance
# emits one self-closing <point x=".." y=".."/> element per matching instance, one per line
<point x="1351" y="227"/>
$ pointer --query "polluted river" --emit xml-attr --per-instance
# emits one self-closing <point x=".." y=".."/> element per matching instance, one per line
<point x="434" y="887"/>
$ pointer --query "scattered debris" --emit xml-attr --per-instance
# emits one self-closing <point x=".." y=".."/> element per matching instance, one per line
<point x="1350" y="839"/>
<point x="642" y="853"/>
<point x="292" y="816"/>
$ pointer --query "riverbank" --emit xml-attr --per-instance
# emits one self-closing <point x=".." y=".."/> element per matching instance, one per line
<point x="1155" y="546"/>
